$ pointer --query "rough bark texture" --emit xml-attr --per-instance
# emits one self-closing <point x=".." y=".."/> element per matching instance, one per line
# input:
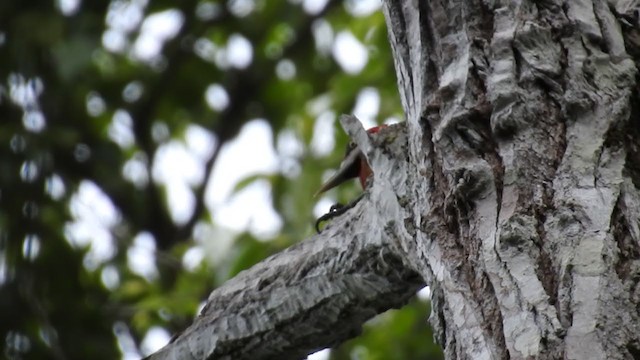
<point x="512" y="189"/>
<point x="523" y="130"/>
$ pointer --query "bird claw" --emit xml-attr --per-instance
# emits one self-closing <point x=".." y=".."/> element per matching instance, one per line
<point x="335" y="210"/>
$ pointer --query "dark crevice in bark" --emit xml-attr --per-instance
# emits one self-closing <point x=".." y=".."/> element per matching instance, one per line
<point x="451" y="215"/>
<point x="562" y="144"/>
<point x="589" y="71"/>
<point x="438" y="179"/>
<point x="487" y="148"/>
<point x="565" y="9"/>
<point x="430" y="79"/>
<point x="552" y="87"/>
<point x="431" y="225"/>
<point x="563" y="306"/>
<point x="459" y="206"/>
<point x="475" y="128"/>
<point x="436" y="319"/>
<point x="615" y="140"/>
<point x="561" y="31"/>
<point x="482" y="27"/>
<point x="478" y="76"/>
<point x="554" y="121"/>
<point x="556" y="17"/>
<point x="634" y="350"/>
<point x="491" y="312"/>
<point x="427" y="41"/>
<point x="545" y="271"/>
<point x="536" y="170"/>
<point x="439" y="186"/>
<point x="596" y="168"/>
<point x="555" y="128"/>
<point x="484" y="20"/>
<point x="399" y="26"/>
<point x="630" y="32"/>
<point x="544" y="268"/>
<point x="628" y="252"/>
<point x="631" y="135"/>
<point x="601" y="41"/>
<point x="401" y="47"/>
<point x="518" y="60"/>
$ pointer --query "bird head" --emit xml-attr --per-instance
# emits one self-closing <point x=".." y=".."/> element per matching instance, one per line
<point x="353" y="165"/>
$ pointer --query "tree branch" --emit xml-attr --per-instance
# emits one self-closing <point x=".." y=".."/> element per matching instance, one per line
<point x="317" y="293"/>
<point x="311" y="296"/>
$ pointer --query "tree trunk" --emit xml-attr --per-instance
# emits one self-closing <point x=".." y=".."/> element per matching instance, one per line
<point x="513" y="192"/>
<point x="523" y="129"/>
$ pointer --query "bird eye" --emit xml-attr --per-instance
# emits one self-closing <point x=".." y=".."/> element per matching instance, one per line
<point x="350" y="146"/>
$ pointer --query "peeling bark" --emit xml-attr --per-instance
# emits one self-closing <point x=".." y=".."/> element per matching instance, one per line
<point x="512" y="190"/>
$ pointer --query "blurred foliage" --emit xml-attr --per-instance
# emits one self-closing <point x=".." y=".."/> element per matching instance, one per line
<point x="92" y="91"/>
<point x="394" y="335"/>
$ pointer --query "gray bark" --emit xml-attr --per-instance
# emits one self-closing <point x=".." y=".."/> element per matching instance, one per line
<point x="523" y="130"/>
<point x="512" y="190"/>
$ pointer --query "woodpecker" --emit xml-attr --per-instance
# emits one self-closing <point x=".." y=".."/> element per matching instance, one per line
<point x="354" y="165"/>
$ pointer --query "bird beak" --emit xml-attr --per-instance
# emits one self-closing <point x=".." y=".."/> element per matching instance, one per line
<point x="342" y="174"/>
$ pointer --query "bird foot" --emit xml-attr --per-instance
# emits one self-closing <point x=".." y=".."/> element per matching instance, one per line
<point x="334" y="211"/>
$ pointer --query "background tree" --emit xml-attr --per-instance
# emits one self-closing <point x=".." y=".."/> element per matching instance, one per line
<point x="92" y="94"/>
